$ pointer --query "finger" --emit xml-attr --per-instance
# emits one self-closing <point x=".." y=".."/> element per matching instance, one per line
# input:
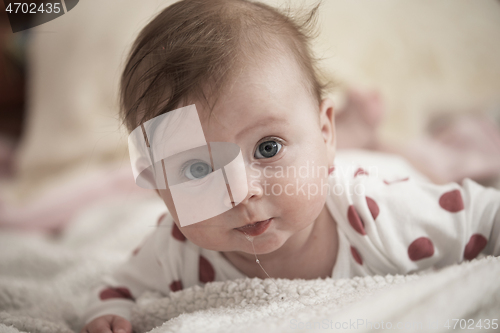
<point x="121" y="325"/>
<point x="99" y="326"/>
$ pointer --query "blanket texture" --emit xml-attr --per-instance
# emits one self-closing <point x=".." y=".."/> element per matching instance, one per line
<point x="467" y="291"/>
<point x="44" y="284"/>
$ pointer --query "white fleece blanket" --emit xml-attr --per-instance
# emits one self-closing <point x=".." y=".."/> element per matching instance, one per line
<point x="44" y="283"/>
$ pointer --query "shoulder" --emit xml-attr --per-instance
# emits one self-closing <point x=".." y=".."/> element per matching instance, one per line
<point x="388" y="167"/>
<point x="166" y="228"/>
<point x="168" y="239"/>
<point x="176" y="255"/>
<point x="395" y="219"/>
<point x="186" y="262"/>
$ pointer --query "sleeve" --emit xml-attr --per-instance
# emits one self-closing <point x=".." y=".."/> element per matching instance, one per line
<point x="482" y="207"/>
<point x="142" y="271"/>
<point x="401" y="226"/>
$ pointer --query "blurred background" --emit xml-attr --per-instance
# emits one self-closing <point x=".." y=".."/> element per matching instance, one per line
<point x="411" y="61"/>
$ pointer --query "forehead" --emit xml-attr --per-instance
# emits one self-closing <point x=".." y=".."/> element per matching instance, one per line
<point x="259" y="94"/>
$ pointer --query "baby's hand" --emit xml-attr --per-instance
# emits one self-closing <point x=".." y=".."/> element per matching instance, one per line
<point x="108" y="324"/>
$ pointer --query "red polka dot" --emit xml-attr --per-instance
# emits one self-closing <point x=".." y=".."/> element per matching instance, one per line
<point x="452" y="201"/>
<point x="420" y="248"/>
<point x="136" y="250"/>
<point x="176" y="285"/>
<point x="207" y="273"/>
<point x="356" y="255"/>
<point x="373" y="207"/>
<point x="476" y="244"/>
<point x="355" y="221"/>
<point x="396" y="181"/>
<point x="177" y="234"/>
<point x="360" y="171"/>
<point x="119" y="292"/>
<point x="160" y="219"/>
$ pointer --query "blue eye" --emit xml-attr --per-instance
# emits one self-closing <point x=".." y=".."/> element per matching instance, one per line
<point x="197" y="170"/>
<point x="267" y="149"/>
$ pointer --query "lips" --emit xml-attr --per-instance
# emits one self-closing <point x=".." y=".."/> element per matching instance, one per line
<point x="255" y="229"/>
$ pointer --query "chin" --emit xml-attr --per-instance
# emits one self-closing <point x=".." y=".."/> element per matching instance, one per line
<point x="268" y="244"/>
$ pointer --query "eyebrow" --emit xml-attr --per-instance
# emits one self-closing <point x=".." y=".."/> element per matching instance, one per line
<point x="262" y="122"/>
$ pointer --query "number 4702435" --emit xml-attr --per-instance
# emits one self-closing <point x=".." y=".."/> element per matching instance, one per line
<point x="471" y="324"/>
<point x="31" y="8"/>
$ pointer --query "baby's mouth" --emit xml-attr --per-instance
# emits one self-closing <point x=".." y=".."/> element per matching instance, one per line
<point x="256" y="228"/>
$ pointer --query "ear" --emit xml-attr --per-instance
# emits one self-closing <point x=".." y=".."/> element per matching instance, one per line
<point x="327" y="125"/>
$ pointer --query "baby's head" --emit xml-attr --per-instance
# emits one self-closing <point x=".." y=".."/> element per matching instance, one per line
<point x="250" y="72"/>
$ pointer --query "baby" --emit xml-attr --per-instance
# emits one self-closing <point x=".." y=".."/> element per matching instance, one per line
<point x="249" y="72"/>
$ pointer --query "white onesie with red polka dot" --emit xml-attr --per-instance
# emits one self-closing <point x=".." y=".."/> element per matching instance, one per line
<point x="390" y="219"/>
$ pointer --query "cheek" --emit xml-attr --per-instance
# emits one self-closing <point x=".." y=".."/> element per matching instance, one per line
<point x="195" y="234"/>
<point x="206" y="235"/>
<point x="305" y="194"/>
<point x="305" y="186"/>
<point x="167" y="199"/>
<point x="301" y="199"/>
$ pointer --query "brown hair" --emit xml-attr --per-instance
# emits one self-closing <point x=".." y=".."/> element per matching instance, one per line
<point x="192" y="47"/>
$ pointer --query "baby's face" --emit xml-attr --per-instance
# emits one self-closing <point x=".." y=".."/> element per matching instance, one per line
<point x="287" y="142"/>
